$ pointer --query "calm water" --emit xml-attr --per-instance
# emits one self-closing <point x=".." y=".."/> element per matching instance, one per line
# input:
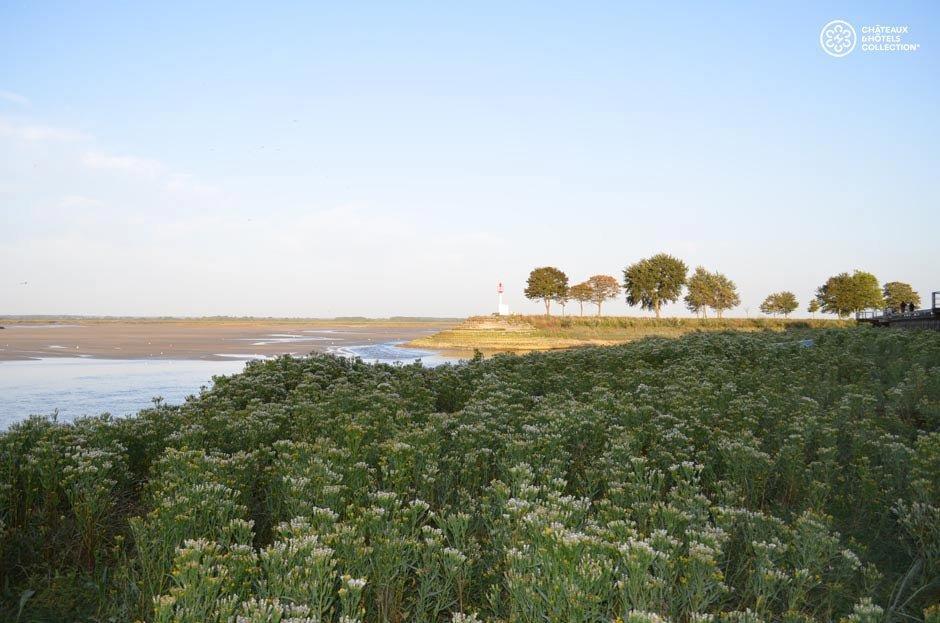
<point x="391" y="352"/>
<point x="86" y="386"/>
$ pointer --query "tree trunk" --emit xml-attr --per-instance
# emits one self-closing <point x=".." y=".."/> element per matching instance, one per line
<point x="656" y="308"/>
<point x="599" y="308"/>
<point x="581" y="305"/>
<point x="548" y="312"/>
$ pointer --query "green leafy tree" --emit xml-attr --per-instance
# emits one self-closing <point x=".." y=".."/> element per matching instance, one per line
<point x="713" y="290"/>
<point x="724" y="294"/>
<point x="603" y="288"/>
<point x="547" y="284"/>
<point x="780" y="303"/>
<point x="699" y="291"/>
<point x="582" y="293"/>
<point x="654" y="281"/>
<point x="845" y="294"/>
<point x="787" y="303"/>
<point x="813" y="307"/>
<point x="898" y="293"/>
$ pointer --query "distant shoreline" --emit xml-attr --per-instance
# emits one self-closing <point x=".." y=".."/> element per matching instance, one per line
<point x="199" y="339"/>
<point x="37" y="319"/>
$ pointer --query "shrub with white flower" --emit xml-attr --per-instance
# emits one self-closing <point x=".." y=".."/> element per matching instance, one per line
<point x="716" y="478"/>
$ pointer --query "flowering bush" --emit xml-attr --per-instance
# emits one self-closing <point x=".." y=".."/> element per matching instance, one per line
<point x="713" y="478"/>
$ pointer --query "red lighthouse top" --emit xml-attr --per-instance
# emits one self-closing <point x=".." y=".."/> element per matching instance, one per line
<point x="499" y="288"/>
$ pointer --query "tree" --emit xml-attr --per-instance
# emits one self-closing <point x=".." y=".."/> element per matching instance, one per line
<point x="787" y="303"/>
<point x="779" y="303"/>
<point x="724" y="294"/>
<point x="699" y="292"/>
<point x="897" y="293"/>
<point x="713" y="290"/>
<point x="548" y="284"/>
<point x="654" y="281"/>
<point x="844" y="294"/>
<point x="603" y="287"/>
<point x="582" y="293"/>
<point x="813" y="307"/>
<point x="562" y="299"/>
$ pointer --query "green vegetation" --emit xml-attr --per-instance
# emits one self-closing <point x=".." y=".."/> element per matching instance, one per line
<point x="847" y="294"/>
<point x="651" y="282"/>
<point x="779" y="303"/>
<point x="548" y="284"/>
<point x="597" y="289"/>
<point x="729" y="477"/>
<point x="603" y="288"/>
<point x="660" y="279"/>
<point x="713" y="290"/>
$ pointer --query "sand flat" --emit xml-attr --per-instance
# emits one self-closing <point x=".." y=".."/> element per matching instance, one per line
<point x="198" y="339"/>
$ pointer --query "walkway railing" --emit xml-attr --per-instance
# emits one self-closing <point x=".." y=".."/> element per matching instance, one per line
<point x="889" y="315"/>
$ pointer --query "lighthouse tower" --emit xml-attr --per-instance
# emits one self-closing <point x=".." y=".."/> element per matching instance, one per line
<point x="501" y="308"/>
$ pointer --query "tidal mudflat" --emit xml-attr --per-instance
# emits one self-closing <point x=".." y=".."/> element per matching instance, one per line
<point x="79" y="369"/>
<point x="199" y="339"/>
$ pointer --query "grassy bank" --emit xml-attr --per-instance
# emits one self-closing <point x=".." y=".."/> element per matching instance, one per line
<point x="530" y="333"/>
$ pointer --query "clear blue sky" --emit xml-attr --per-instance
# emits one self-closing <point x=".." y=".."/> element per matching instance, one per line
<point x="324" y="159"/>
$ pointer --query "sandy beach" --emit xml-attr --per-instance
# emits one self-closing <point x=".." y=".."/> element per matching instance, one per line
<point x="198" y="339"/>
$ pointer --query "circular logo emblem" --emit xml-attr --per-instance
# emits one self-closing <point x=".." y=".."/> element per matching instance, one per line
<point x="838" y="38"/>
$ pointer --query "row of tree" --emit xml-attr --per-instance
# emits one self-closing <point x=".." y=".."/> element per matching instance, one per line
<point x="845" y="294"/>
<point x="658" y="280"/>
<point x="551" y="285"/>
<point x="649" y="283"/>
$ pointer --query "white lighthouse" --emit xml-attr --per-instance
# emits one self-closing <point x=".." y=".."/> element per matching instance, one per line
<point x="501" y="308"/>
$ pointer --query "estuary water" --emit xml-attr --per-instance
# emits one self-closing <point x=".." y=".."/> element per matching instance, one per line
<point x="78" y="386"/>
